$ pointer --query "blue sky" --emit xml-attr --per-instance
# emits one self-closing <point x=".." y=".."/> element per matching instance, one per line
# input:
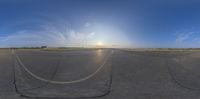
<point x="119" y="23"/>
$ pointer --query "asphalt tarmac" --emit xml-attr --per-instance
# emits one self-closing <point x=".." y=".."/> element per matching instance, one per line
<point x="135" y="75"/>
<point x="63" y="74"/>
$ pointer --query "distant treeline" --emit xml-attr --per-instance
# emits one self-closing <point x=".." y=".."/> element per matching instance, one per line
<point x="176" y="48"/>
<point x="162" y="49"/>
<point x="69" y="47"/>
<point x="43" y="47"/>
<point x="25" y="47"/>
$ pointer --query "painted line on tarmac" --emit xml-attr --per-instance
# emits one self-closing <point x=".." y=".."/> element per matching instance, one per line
<point x="61" y="82"/>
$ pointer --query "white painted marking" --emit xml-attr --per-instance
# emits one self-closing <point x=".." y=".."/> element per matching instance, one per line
<point x="61" y="82"/>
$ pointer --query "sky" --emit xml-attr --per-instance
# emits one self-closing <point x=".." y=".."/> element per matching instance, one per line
<point x="113" y="23"/>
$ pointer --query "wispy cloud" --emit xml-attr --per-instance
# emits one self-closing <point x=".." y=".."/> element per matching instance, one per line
<point x="51" y="35"/>
<point x="187" y="39"/>
<point x="181" y="37"/>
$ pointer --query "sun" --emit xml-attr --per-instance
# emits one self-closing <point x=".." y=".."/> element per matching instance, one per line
<point x="99" y="43"/>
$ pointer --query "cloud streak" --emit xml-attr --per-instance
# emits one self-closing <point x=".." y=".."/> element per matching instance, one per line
<point x="187" y="39"/>
<point x="51" y="35"/>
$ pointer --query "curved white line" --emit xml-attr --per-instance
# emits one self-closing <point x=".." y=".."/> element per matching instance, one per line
<point x="61" y="82"/>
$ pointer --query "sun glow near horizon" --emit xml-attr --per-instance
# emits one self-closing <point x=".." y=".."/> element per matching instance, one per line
<point x="99" y="43"/>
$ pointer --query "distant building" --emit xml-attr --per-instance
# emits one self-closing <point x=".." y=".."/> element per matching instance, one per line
<point x="43" y="47"/>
